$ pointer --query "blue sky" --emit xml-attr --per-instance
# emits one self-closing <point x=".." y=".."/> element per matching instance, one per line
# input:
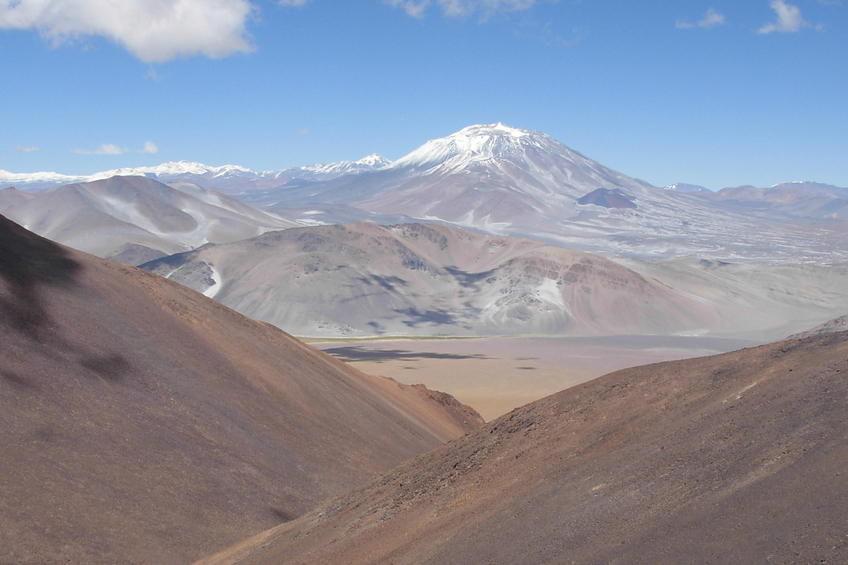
<point x="717" y="93"/>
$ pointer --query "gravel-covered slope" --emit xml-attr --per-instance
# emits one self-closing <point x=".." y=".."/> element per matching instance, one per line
<point x="145" y="423"/>
<point x="738" y="458"/>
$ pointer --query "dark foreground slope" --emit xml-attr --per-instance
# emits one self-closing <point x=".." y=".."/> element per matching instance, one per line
<point x="739" y="458"/>
<point x="144" y="423"/>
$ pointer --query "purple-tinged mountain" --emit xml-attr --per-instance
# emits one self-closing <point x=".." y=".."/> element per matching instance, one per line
<point x="508" y="181"/>
<point x="804" y="199"/>
<point x="136" y="219"/>
<point x="11" y="196"/>
<point x="364" y="280"/>
<point x="608" y="199"/>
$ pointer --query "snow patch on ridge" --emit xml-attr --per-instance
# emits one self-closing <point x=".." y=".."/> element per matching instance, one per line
<point x="549" y="293"/>
<point x="215" y="288"/>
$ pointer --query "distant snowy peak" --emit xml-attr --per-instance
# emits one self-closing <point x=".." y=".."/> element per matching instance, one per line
<point x="189" y="171"/>
<point x="479" y="143"/>
<point x="369" y="163"/>
<point x="9" y="179"/>
<point x="375" y="161"/>
<point x="175" y="169"/>
<point x="684" y="188"/>
<point x="330" y="171"/>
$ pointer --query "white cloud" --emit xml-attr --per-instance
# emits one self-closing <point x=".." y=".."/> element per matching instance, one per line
<point x="105" y="149"/>
<point x="462" y="8"/>
<point x="150" y="147"/>
<point x="789" y="19"/>
<point x="414" y="8"/>
<point x="31" y="149"/>
<point x="292" y="2"/>
<point x="152" y="30"/>
<point x="710" y="20"/>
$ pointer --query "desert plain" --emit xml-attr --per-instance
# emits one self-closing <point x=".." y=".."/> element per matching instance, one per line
<point x="494" y="375"/>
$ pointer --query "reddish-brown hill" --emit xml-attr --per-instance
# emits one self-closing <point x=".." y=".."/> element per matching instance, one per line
<point x="739" y="458"/>
<point x="145" y="423"/>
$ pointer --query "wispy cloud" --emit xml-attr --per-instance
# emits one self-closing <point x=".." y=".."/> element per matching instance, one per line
<point x="414" y="8"/>
<point x="304" y="131"/>
<point x="550" y="37"/>
<point x="710" y="20"/>
<point x="153" y="31"/>
<point x="150" y="147"/>
<point x="31" y="149"/>
<point x="105" y="149"/>
<point x="292" y="2"/>
<point x="789" y="19"/>
<point x="462" y="8"/>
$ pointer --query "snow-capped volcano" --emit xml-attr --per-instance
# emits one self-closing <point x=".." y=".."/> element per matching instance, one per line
<point x="517" y="154"/>
<point x="474" y="143"/>
<point x="482" y="176"/>
<point x="510" y="181"/>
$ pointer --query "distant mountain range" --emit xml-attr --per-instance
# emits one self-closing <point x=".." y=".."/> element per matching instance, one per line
<point x="803" y="199"/>
<point x="228" y="177"/>
<point x="502" y="180"/>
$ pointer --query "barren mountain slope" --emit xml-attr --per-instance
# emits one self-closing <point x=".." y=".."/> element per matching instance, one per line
<point x="807" y="199"/>
<point x="413" y="279"/>
<point x="837" y="325"/>
<point x="776" y="300"/>
<point x="136" y="219"/>
<point x="12" y="197"/>
<point x="738" y="458"/>
<point x="144" y="423"/>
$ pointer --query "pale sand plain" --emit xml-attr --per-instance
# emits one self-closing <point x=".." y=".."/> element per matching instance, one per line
<point x="495" y="375"/>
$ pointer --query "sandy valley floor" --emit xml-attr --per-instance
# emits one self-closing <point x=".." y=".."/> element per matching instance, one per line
<point x="495" y="375"/>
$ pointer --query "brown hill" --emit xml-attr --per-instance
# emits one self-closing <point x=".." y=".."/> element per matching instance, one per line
<point x="362" y="279"/>
<point x="416" y="279"/>
<point x="737" y="458"/>
<point x="144" y="423"/>
<point x="839" y="324"/>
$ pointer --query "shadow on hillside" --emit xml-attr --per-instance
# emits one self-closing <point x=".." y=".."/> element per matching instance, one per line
<point x="388" y="282"/>
<point x="28" y="263"/>
<point x="469" y="280"/>
<point x="352" y="353"/>
<point x="417" y="317"/>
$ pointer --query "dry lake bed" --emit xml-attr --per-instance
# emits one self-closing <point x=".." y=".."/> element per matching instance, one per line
<point x="495" y="375"/>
